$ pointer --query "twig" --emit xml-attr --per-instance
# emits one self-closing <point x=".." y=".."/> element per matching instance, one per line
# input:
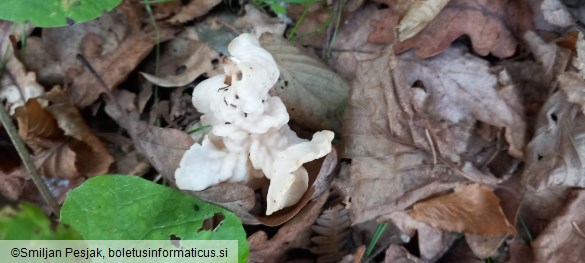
<point x="432" y="146"/>
<point x="26" y="160"/>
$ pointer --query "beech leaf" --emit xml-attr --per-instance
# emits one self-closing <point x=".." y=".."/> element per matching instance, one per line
<point x="313" y="94"/>
<point x="471" y="209"/>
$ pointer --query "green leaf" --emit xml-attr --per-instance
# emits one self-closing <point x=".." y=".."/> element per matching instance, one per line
<point x="31" y="223"/>
<point x="122" y="207"/>
<point x="54" y="13"/>
<point x="277" y="8"/>
<point x="312" y="93"/>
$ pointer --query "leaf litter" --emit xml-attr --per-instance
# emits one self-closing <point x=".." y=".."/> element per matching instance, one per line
<point x="460" y="122"/>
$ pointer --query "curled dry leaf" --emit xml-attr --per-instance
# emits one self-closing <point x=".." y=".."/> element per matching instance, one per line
<point x="563" y="240"/>
<point x="293" y="234"/>
<point x="183" y="59"/>
<point x="473" y="209"/>
<point x="553" y="157"/>
<point x="459" y="86"/>
<point x="192" y="10"/>
<point x="418" y="16"/>
<point x="491" y="25"/>
<point x="313" y="94"/>
<point x="62" y="143"/>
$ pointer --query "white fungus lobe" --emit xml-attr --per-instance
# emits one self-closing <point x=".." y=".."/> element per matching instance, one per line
<point x="249" y="130"/>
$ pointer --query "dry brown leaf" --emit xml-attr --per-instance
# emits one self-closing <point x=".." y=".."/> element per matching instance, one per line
<point x="459" y="86"/>
<point x="473" y="209"/>
<point x="551" y="57"/>
<point x="293" y="234"/>
<point x="553" y="157"/>
<point x="432" y="242"/>
<point x="183" y="59"/>
<point x="62" y="143"/>
<point x="418" y="16"/>
<point x="163" y="147"/>
<point x="92" y="158"/>
<point x="491" y="25"/>
<point x="398" y="254"/>
<point x="388" y="142"/>
<point x="194" y="9"/>
<point x="114" y="44"/>
<point x="333" y="233"/>
<point x="312" y="93"/>
<point x="563" y="240"/>
<point x="485" y="246"/>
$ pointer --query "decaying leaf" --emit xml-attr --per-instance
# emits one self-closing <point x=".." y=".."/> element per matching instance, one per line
<point x="432" y="242"/>
<point x="398" y="254"/>
<point x="395" y="147"/>
<point x="313" y="94"/>
<point x="183" y="59"/>
<point x="117" y="38"/>
<point x="564" y="238"/>
<point x="63" y="144"/>
<point x="459" y="86"/>
<point x="192" y="10"/>
<point x="551" y="57"/>
<point x="491" y="25"/>
<point x="471" y="209"/>
<point x="163" y="147"/>
<point x="333" y="233"/>
<point x="294" y="234"/>
<point x="418" y="16"/>
<point x="554" y="155"/>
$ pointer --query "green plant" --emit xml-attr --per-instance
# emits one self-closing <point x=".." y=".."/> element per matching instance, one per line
<point x="279" y="6"/>
<point x="122" y="207"/>
<point x="30" y="223"/>
<point x="54" y="13"/>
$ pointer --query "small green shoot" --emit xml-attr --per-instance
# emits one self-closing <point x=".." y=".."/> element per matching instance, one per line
<point x="199" y="129"/>
<point x="379" y="231"/>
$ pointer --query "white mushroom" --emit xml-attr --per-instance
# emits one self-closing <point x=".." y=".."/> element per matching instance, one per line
<point x="249" y="130"/>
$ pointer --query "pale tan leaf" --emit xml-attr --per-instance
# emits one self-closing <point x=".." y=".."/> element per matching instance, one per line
<point x="312" y="93"/>
<point x="183" y="59"/>
<point x="459" y="86"/>
<point x="473" y="209"/>
<point x="563" y="240"/>
<point x="194" y="9"/>
<point x="421" y="12"/>
<point x="554" y="157"/>
<point x="398" y="254"/>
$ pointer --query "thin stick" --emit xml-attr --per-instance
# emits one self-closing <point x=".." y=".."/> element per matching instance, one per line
<point x="26" y="160"/>
<point x="432" y="146"/>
